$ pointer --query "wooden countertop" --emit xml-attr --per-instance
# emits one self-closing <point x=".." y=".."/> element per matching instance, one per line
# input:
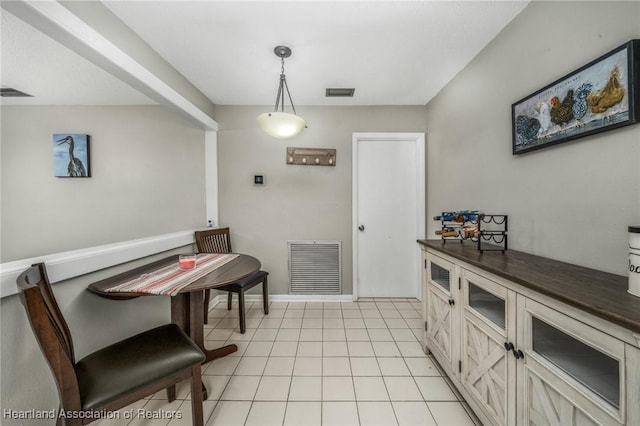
<point x="599" y="293"/>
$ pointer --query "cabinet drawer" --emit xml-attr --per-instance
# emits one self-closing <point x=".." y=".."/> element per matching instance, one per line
<point x="587" y="364"/>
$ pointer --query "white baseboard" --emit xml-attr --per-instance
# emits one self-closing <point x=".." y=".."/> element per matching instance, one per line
<point x="65" y="265"/>
<point x="222" y="298"/>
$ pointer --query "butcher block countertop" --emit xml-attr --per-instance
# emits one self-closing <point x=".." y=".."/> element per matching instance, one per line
<point x="599" y="293"/>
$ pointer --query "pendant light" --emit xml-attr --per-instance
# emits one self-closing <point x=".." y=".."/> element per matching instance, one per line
<point x="280" y="124"/>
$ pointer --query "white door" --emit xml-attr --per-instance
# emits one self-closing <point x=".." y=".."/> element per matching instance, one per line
<point x="388" y="179"/>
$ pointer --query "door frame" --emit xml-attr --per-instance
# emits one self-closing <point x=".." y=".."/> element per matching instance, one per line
<point x="419" y="140"/>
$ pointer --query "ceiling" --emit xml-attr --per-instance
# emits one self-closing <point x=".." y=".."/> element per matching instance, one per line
<point x="392" y="52"/>
<point x="54" y="75"/>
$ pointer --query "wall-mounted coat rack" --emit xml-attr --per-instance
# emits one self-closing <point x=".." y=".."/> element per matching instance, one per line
<point x="311" y="156"/>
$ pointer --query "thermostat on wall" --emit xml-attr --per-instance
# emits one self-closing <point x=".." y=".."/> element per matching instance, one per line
<point x="258" y="180"/>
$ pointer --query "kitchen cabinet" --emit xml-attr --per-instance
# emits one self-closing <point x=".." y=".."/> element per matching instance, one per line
<point x="521" y="357"/>
<point x="488" y="327"/>
<point x="440" y="311"/>
<point x="570" y="373"/>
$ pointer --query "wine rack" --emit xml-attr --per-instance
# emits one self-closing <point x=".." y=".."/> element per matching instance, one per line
<point x="492" y="232"/>
<point x="488" y="231"/>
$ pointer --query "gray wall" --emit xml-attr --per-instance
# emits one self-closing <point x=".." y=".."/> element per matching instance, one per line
<point x="571" y="202"/>
<point x="297" y="202"/>
<point x="147" y="167"/>
<point x="148" y="179"/>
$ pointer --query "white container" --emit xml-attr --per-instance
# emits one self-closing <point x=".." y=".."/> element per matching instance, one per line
<point x="634" y="260"/>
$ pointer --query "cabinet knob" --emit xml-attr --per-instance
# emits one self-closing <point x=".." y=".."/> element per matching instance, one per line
<point x="452" y="302"/>
<point x="508" y="346"/>
<point x="518" y="354"/>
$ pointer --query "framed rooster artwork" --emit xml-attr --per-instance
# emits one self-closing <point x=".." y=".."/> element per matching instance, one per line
<point x="600" y="96"/>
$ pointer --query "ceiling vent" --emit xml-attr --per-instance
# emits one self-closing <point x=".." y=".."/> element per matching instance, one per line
<point x="8" y="92"/>
<point x="339" y="93"/>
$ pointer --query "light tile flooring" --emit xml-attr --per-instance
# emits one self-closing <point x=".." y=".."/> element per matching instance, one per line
<point x="316" y="363"/>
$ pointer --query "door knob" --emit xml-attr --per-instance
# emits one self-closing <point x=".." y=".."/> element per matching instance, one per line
<point x="361" y="227"/>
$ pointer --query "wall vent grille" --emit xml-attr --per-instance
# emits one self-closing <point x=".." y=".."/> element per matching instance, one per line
<point x="335" y="92"/>
<point x="315" y="267"/>
<point x="10" y="92"/>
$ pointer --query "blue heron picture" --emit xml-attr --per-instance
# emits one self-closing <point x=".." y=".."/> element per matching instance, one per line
<point x="71" y="155"/>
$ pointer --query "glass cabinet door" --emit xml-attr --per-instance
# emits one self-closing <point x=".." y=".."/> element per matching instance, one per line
<point x="440" y="276"/>
<point x="487" y="305"/>
<point x="594" y="369"/>
<point x="570" y="368"/>
<point x="441" y="313"/>
<point x="486" y="362"/>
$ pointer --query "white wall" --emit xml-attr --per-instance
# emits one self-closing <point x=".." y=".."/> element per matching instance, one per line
<point x="571" y="202"/>
<point x="297" y="202"/>
<point x="147" y="179"/>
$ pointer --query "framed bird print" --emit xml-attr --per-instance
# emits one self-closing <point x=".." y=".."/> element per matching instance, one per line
<point x="71" y="155"/>
<point x="600" y="96"/>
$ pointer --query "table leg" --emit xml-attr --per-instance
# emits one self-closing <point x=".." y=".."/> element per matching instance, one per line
<point x="187" y="311"/>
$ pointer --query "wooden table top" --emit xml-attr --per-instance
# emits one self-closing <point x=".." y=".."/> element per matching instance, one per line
<point x="235" y="270"/>
<point x="599" y="293"/>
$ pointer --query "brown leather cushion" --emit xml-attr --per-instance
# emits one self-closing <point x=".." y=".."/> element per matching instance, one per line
<point x="246" y="283"/>
<point x="134" y="363"/>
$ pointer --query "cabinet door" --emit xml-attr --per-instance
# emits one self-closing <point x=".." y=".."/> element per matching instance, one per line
<point x="571" y="373"/>
<point x="488" y="326"/>
<point x="425" y="299"/>
<point x="442" y="333"/>
<point x="632" y="355"/>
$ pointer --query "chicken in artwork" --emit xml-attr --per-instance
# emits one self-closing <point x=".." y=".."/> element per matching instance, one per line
<point x="580" y="106"/>
<point x="562" y="112"/>
<point x="544" y="117"/>
<point x="587" y="101"/>
<point x="527" y="129"/>
<point x="601" y="100"/>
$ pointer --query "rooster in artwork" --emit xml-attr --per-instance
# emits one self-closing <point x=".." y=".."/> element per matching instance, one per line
<point x="601" y="100"/>
<point x="562" y="112"/>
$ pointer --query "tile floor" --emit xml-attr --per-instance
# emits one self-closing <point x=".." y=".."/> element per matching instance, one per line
<point x="316" y="363"/>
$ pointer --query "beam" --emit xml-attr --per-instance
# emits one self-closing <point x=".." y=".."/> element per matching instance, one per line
<point x="61" y="24"/>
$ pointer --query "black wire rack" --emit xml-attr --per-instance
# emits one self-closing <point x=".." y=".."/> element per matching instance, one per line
<point x="492" y="233"/>
<point x="488" y="231"/>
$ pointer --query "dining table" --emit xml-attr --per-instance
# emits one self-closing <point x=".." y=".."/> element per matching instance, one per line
<point x="187" y="306"/>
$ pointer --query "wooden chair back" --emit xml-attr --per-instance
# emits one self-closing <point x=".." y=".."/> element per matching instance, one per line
<point x="213" y="241"/>
<point x="54" y="338"/>
<point x="51" y="331"/>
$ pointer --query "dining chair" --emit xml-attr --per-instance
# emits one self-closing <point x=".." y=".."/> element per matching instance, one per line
<point x="112" y="377"/>
<point x="219" y="241"/>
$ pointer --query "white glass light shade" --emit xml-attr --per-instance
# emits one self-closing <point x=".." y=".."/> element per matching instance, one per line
<point x="281" y="125"/>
